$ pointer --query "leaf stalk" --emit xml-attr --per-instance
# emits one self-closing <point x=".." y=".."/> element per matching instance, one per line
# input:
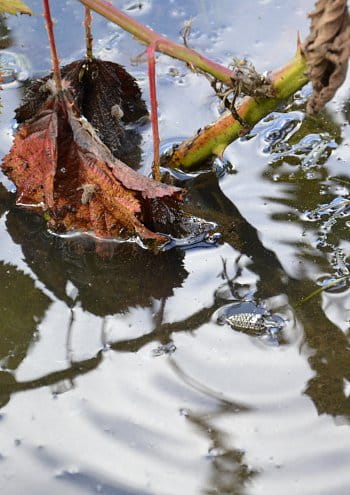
<point x="163" y="44"/>
<point x="53" y="50"/>
<point x="154" y="110"/>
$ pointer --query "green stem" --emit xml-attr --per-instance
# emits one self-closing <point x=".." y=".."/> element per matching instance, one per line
<point x="215" y="137"/>
<point x="164" y="45"/>
<point x="318" y="291"/>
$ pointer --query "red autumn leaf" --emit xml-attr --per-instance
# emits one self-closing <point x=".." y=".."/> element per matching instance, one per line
<point x="60" y="166"/>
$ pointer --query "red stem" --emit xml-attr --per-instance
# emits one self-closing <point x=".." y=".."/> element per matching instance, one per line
<point x="164" y="45"/>
<point x="54" y="57"/>
<point x="154" y="109"/>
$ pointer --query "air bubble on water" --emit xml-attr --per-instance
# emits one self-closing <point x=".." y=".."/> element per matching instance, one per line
<point x="200" y="239"/>
<point x="215" y="452"/>
<point x="138" y="7"/>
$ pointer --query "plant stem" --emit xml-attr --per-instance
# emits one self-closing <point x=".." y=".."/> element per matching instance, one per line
<point x="164" y="45"/>
<point x="88" y="34"/>
<point x="154" y="110"/>
<point x="214" y="138"/>
<point x="54" y="57"/>
<point x="318" y="291"/>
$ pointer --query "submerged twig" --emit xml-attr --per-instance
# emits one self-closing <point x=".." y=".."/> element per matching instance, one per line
<point x="318" y="291"/>
<point x="54" y="57"/>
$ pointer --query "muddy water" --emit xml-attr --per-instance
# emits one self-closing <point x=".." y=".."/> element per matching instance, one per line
<point x="124" y="375"/>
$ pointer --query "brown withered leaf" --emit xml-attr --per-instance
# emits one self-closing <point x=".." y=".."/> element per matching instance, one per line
<point x="327" y="50"/>
<point x="60" y="166"/>
<point x="104" y="92"/>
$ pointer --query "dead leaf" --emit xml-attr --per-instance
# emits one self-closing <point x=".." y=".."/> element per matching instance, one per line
<point x="14" y="7"/>
<point x="104" y="92"/>
<point x="327" y="50"/>
<point x="60" y="166"/>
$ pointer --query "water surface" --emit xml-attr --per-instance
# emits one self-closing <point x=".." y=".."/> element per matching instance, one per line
<point x="119" y="376"/>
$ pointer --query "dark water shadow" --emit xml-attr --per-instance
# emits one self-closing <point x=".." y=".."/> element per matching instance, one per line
<point x="133" y="277"/>
<point x="229" y="472"/>
<point x="326" y="345"/>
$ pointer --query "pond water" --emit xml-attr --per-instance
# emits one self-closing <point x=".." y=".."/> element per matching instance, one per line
<point x="125" y="375"/>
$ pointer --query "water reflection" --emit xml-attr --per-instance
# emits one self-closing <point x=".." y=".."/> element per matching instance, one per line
<point x="72" y="272"/>
<point x="325" y="343"/>
<point x="115" y="422"/>
<point x="330" y="360"/>
<point x="229" y="473"/>
<point x="130" y="276"/>
<point x="9" y="385"/>
<point x="134" y="277"/>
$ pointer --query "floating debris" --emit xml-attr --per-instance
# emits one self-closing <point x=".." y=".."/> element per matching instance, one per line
<point x="161" y="350"/>
<point x="250" y="318"/>
<point x="196" y="240"/>
<point x="251" y="321"/>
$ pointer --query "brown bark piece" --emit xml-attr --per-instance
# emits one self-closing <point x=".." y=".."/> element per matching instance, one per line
<point x="327" y="50"/>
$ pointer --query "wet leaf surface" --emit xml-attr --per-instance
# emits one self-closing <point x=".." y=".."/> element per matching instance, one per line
<point x="104" y="92"/>
<point x="59" y="165"/>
